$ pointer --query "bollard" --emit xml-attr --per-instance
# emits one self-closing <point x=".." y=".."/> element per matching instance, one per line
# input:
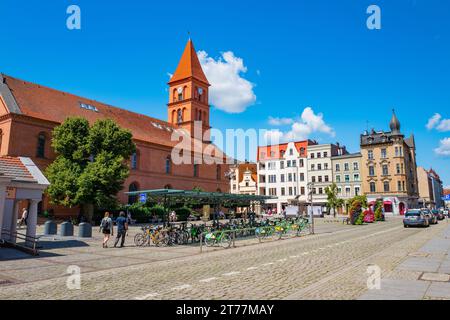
<point x="50" y="228"/>
<point x="201" y="242"/>
<point x="66" y="229"/>
<point x="85" y="230"/>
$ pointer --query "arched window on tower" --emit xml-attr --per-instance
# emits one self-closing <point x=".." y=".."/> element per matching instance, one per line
<point x="175" y="94"/>
<point x="132" y="198"/>
<point x="174" y="116"/>
<point x="200" y="94"/>
<point x="180" y="93"/>
<point x="179" y="116"/>
<point x="40" y="153"/>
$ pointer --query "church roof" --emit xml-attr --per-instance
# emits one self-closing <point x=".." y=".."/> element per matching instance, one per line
<point x="48" y="104"/>
<point x="189" y="66"/>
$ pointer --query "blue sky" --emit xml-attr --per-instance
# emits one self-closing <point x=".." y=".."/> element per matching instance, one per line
<point x="296" y="53"/>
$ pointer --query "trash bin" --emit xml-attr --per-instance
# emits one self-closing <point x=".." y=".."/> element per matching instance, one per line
<point x="50" y="228"/>
<point x="85" y="230"/>
<point x="66" y="229"/>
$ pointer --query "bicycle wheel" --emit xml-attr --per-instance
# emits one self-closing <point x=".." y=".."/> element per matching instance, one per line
<point x="225" y="241"/>
<point x="140" y="240"/>
<point x="210" y="239"/>
<point x="161" y="239"/>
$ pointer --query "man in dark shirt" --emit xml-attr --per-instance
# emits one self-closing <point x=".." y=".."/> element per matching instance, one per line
<point x="122" y="227"/>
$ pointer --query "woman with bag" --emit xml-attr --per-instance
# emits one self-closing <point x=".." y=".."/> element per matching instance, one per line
<point x="106" y="226"/>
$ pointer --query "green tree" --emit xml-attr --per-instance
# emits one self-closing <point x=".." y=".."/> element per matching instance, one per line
<point x="333" y="202"/>
<point x="90" y="167"/>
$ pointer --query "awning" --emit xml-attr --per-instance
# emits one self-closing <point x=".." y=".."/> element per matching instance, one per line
<point x="387" y="202"/>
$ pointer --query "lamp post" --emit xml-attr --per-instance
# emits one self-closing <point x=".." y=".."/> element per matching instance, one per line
<point x="311" y="213"/>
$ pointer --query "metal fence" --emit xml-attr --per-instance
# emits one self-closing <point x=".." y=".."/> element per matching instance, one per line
<point x="26" y="243"/>
<point x="247" y="236"/>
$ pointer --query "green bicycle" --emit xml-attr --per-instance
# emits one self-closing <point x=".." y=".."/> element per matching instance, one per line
<point x="218" y="238"/>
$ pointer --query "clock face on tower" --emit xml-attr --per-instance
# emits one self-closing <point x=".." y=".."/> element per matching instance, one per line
<point x="180" y="90"/>
<point x="200" y="91"/>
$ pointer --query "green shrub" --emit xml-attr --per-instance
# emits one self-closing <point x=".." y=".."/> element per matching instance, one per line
<point x="356" y="212"/>
<point x="183" y="213"/>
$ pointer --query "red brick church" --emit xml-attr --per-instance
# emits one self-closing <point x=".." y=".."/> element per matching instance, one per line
<point x="29" y="112"/>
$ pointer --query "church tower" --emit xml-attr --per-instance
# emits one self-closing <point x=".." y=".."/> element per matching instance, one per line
<point x="188" y="93"/>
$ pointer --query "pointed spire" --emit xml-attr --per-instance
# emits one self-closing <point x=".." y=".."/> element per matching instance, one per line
<point x="394" y="124"/>
<point x="189" y="66"/>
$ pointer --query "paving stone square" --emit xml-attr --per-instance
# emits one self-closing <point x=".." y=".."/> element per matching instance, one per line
<point x="440" y="277"/>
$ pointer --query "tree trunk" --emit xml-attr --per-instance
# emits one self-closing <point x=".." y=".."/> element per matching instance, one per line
<point x="88" y="211"/>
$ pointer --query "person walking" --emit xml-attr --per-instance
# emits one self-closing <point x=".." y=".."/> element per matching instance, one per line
<point x="122" y="228"/>
<point x="23" y="219"/>
<point x="106" y="226"/>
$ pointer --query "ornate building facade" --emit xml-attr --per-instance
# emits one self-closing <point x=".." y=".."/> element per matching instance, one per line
<point x="388" y="168"/>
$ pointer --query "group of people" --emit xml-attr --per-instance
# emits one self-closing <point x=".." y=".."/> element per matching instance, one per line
<point x="107" y="228"/>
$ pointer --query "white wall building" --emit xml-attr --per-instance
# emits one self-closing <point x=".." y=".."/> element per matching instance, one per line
<point x="347" y="175"/>
<point x="243" y="179"/>
<point x="320" y="169"/>
<point x="282" y="172"/>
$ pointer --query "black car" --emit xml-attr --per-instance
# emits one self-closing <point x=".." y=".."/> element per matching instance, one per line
<point x="439" y="215"/>
<point x="415" y="218"/>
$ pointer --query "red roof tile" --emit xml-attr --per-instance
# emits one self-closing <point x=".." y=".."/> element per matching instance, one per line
<point x="275" y="152"/>
<point x="13" y="168"/>
<point x="52" y="105"/>
<point x="189" y="66"/>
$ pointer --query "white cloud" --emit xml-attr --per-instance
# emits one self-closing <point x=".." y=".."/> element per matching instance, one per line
<point x="444" y="125"/>
<point x="273" y="136"/>
<point x="436" y="122"/>
<point x="302" y="129"/>
<point x="229" y="91"/>
<point x="280" y="121"/>
<point x="444" y="148"/>
<point x="433" y="121"/>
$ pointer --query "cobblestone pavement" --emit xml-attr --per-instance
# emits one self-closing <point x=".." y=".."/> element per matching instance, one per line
<point x="329" y="265"/>
<point x="424" y="274"/>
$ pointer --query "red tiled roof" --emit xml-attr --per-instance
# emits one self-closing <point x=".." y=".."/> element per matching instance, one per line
<point x="189" y="66"/>
<point x="446" y="192"/>
<point x="13" y="168"/>
<point x="52" y="105"/>
<point x="275" y="152"/>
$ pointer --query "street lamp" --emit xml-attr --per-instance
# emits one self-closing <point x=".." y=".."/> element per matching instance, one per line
<point x="311" y="212"/>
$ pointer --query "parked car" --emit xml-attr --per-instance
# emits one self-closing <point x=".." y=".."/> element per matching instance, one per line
<point x="439" y="215"/>
<point x="431" y="217"/>
<point x="415" y="218"/>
